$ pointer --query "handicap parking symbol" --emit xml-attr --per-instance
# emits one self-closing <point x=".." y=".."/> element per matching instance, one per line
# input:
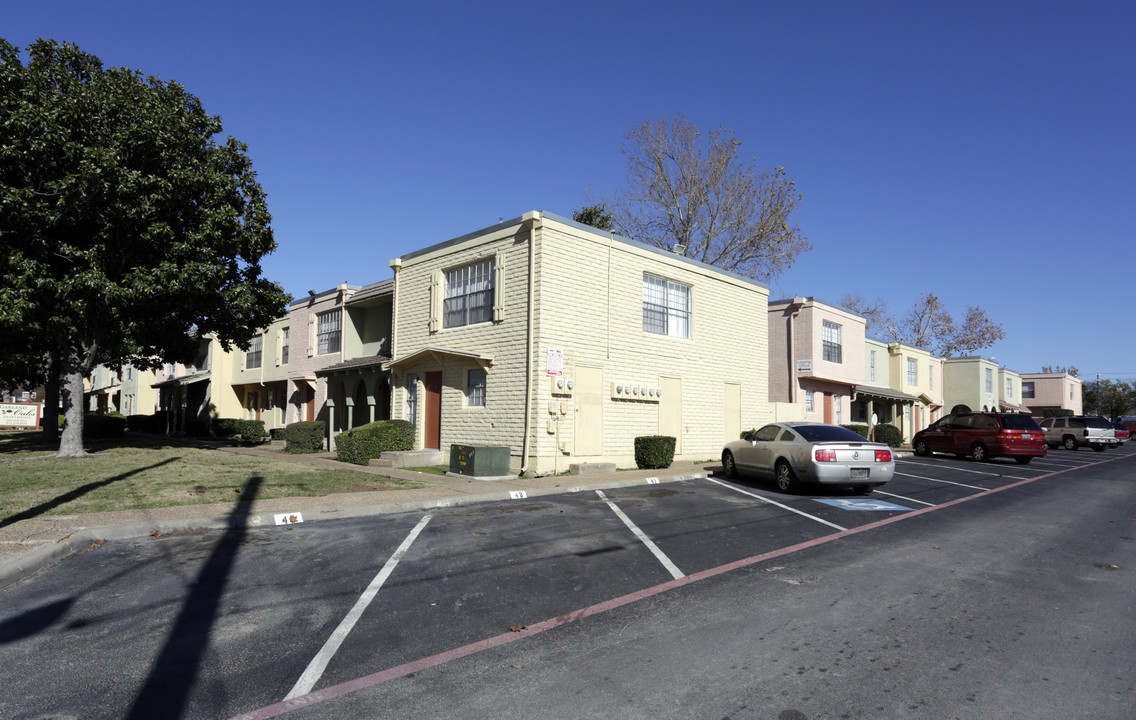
<point x="861" y="504"/>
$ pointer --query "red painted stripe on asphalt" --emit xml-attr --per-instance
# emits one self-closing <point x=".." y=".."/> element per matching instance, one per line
<point x="367" y="681"/>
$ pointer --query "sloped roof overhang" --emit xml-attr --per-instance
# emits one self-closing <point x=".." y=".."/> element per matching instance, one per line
<point x="437" y="356"/>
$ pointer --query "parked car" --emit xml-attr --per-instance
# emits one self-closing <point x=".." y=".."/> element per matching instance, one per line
<point x="1122" y="432"/>
<point x="1074" y="431"/>
<point x="793" y="453"/>
<point x="983" y="435"/>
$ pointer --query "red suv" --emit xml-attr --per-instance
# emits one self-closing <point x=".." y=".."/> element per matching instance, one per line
<point x="983" y="435"/>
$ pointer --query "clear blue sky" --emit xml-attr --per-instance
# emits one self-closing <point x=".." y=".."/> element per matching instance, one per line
<point x="983" y="151"/>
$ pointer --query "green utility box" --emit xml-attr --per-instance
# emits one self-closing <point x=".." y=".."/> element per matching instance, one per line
<point x="479" y="461"/>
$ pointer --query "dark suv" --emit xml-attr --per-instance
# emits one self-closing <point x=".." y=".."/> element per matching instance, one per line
<point x="983" y="435"/>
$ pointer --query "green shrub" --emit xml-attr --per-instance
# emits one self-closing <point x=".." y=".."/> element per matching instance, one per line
<point x="197" y="428"/>
<point x="115" y="413"/>
<point x="249" y="430"/>
<point x="304" y="437"/>
<point x="889" y="434"/>
<point x="155" y="423"/>
<point x="859" y="428"/>
<point x="743" y="434"/>
<point x="654" y="451"/>
<point x="103" y="426"/>
<point x="359" y="445"/>
<point x="1055" y="412"/>
<point x="276" y="433"/>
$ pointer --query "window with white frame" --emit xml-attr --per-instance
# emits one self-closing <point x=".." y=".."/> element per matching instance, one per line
<point x="872" y="366"/>
<point x="284" y="346"/>
<point x="666" y="307"/>
<point x="1070" y="392"/>
<point x="1027" y="390"/>
<point x="412" y="399"/>
<point x="931" y="376"/>
<point x="253" y="354"/>
<point x="328" y="332"/>
<point x="475" y="389"/>
<point x="838" y="409"/>
<point x="912" y="372"/>
<point x="1009" y="388"/>
<point x="808" y="401"/>
<point x="468" y="296"/>
<point x="989" y="380"/>
<point x="831" y="341"/>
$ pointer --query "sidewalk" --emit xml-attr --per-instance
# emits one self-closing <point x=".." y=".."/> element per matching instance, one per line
<point x="31" y="544"/>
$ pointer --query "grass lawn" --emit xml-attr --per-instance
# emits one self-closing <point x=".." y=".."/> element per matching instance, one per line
<point x="134" y="473"/>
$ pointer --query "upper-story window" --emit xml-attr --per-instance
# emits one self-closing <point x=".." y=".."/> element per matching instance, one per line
<point x="469" y="295"/>
<point x="831" y="337"/>
<point x="284" y="346"/>
<point x="1070" y="392"/>
<point x="1027" y="390"/>
<point x="1009" y="388"/>
<point x="912" y="372"/>
<point x="253" y="355"/>
<point x="931" y="376"/>
<point x="328" y="332"/>
<point x="989" y="380"/>
<point x="872" y="366"/>
<point x="666" y="307"/>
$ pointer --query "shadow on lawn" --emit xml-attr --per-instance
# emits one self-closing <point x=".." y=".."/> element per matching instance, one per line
<point x="76" y="493"/>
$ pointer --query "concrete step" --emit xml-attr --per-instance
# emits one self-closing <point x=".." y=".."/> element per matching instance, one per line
<point x="410" y="458"/>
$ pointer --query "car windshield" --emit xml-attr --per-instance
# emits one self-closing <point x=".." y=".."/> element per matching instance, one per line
<point x="827" y="433"/>
<point x="1019" y="422"/>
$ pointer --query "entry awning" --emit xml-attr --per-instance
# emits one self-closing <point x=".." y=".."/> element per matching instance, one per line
<point x="885" y="393"/>
<point x="1014" y="407"/>
<point x="358" y="365"/>
<point x="184" y="380"/>
<point x="437" y="356"/>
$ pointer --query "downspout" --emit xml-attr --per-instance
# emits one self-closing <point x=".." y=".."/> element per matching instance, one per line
<point x="532" y="220"/>
<point x="794" y="303"/>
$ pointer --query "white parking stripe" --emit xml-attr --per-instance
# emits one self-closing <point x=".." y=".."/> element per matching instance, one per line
<point x="666" y="561"/>
<point x="948" y="482"/>
<point x="902" y="497"/>
<point x="772" y="502"/>
<point x="968" y="470"/>
<point x="319" y="663"/>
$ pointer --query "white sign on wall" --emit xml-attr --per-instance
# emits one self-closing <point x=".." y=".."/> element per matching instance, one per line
<point x="24" y="415"/>
<point x="804" y="366"/>
<point x="556" y="361"/>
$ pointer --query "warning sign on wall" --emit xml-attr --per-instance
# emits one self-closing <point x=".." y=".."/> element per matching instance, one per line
<point x="555" y="361"/>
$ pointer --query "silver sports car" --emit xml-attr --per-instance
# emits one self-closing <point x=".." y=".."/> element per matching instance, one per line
<point x="800" y="452"/>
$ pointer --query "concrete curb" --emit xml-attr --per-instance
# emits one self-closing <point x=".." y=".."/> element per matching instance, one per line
<point x="44" y="555"/>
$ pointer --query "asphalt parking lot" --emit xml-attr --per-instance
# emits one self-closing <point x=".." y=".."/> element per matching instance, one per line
<point x="260" y="621"/>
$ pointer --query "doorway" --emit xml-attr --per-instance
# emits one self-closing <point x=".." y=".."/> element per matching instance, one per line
<point x="432" y="432"/>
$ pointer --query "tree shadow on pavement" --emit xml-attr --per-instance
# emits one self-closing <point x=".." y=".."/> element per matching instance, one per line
<point x="78" y="492"/>
<point x="174" y="673"/>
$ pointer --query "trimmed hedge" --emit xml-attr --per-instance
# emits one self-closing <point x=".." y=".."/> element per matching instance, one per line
<point x="304" y="437"/>
<point x="276" y="433"/>
<point x="103" y="426"/>
<point x="249" y="430"/>
<point x="889" y="434"/>
<point x="859" y="428"/>
<point x="654" y="451"/>
<point x="1055" y="412"/>
<point x="359" y="445"/>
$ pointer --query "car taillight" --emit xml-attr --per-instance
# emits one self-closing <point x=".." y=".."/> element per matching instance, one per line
<point x="825" y="455"/>
<point x="883" y="456"/>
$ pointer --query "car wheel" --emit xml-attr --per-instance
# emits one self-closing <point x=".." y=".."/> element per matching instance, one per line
<point x="1024" y="459"/>
<point x="1069" y="442"/>
<point x="786" y="480"/>
<point x="979" y="453"/>
<point x="921" y="448"/>
<point x="729" y="469"/>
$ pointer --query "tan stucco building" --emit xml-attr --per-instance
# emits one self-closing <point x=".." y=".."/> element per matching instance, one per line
<point x="1051" y="391"/>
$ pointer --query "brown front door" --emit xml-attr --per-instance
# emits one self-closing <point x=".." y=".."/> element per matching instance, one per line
<point x="432" y="433"/>
<point x="828" y="408"/>
<point x="309" y="403"/>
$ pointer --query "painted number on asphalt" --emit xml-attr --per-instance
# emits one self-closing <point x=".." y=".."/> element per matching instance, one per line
<point x="862" y="504"/>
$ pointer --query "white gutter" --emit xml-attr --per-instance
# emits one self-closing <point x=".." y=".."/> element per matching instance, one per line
<point x="533" y="221"/>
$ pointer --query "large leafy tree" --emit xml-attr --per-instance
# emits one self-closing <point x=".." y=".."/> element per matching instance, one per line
<point x="1110" y="398"/>
<point x="126" y="227"/>
<point x="688" y="191"/>
<point x="929" y="325"/>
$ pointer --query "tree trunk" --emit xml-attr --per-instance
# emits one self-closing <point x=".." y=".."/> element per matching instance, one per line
<point x="71" y="441"/>
<point x="51" y="398"/>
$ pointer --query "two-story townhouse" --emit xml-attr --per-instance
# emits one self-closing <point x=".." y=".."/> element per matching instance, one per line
<point x="973" y="384"/>
<point x="138" y="394"/>
<point x="315" y="341"/>
<point x="564" y="343"/>
<point x="1010" y="392"/>
<point x="103" y="389"/>
<point x="1051" y="391"/>
<point x="260" y="376"/>
<point x="196" y="392"/>
<point x="816" y="359"/>
<point x="903" y="387"/>
<point x="359" y="387"/>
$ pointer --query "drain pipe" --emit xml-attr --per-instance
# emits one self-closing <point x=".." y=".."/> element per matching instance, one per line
<point x="797" y="303"/>
<point x="531" y="220"/>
